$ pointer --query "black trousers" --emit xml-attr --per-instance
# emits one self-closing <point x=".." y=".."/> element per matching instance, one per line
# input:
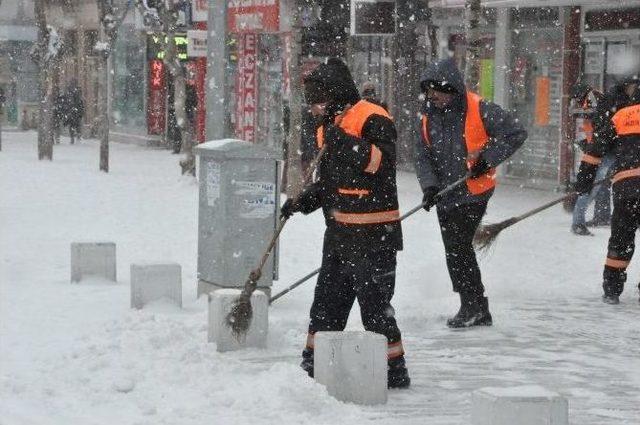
<point x="366" y="275"/>
<point x="624" y="223"/>
<point x="458" y="227"/>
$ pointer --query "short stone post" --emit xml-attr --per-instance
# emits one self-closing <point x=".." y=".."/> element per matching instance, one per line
<point x="352" y="365"/>
<point x="524" y="405"/>
<point x="220" y="303"/>
<point x="151" y="282"/>
<point x="93" y="258"/>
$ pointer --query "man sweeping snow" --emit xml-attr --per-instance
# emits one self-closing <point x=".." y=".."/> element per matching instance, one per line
<point x="358" y="195"/>
<point x="461" y="133"/>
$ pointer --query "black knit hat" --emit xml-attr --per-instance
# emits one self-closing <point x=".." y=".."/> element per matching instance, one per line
<point x="441" y="86"/>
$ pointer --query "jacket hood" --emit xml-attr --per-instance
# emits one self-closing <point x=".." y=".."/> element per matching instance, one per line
<point x="335" y="79"/>
<point x="444" y="72"/>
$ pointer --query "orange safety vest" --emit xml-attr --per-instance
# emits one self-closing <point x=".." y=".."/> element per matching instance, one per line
<point x="626" y="121"/>
<point x="352" y="121"/>
<point x="475" y="137"/>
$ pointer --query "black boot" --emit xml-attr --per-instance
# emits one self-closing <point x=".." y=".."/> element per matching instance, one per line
<point x="474" y="311"/>
<point x="398" y="375"/>
<point x="307" y="361"/>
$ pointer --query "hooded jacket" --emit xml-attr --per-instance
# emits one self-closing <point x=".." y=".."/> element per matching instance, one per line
<point x="444" y="160"/>
<point x="607" y="141"/>
<point x="357" y="174"/>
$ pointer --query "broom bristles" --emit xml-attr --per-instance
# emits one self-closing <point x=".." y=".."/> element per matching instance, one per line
<point x="487" y="234"/>
<point x="239" y="318"/>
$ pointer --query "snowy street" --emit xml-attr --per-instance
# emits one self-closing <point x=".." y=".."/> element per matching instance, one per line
<point x="77" y="354"/>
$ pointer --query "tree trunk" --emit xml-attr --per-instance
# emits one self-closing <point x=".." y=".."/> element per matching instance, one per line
<point x="431" y="31"/>
<point x="45" y="110"/>
<point x="103" y="113"/>
<point x="294" y="165"/>
<point x="472" y="37"/>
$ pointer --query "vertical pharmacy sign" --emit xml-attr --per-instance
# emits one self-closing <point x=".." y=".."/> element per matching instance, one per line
<point x="248" y="18"/>
<point x="246" y="88"/>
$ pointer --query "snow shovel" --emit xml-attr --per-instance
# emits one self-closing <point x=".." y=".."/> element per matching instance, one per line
<point x="239" y="318"/>
<point x="405" y="215"/>
<point x="486" y="235"/>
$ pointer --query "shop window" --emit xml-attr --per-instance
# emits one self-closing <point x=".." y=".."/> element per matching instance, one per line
<point x="612" y="19"/>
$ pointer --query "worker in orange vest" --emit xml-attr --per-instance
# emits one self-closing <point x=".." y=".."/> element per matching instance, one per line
<point x="617" y="132"/>
<point x="356" y="190"/>
<point x="460" y="133"/>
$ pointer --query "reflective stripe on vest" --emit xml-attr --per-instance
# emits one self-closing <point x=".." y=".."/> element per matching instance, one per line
<point x="626" y="174"/>
<point x="627" y="121"/>
<point x="475" y="138"/>
<point x="366" y="218"/>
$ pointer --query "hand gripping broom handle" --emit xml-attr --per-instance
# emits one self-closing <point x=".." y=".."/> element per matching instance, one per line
<point x="255" y="274"/>
<point x="405" y="215"/>
<point x="440" y="194"/>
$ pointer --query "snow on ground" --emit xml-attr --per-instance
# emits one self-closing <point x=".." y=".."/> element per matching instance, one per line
<point x="76" y="353"/>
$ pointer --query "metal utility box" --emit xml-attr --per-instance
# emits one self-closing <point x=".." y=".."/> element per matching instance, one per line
<point x="238" y="212"/>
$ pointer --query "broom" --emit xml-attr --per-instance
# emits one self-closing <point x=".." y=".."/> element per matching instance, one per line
<point x="239" y="318"/>
<point x="487" y="234"/>
<point x="405" y="215"/>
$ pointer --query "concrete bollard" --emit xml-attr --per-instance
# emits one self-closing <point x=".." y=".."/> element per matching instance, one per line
<point x="93" y="258"/>
<point x="220" y="303"/>
<point x="151" y="282"/>
<point x="352" y="365"/>
<point x="524" y="405"/>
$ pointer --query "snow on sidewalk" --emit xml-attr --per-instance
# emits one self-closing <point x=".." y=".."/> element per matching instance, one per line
<point x="76" y="354"/>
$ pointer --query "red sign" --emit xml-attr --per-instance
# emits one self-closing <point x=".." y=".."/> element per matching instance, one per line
<point x="253" y="16"/>
<point x="156" y="100"/>
<point x="246" y="88"/>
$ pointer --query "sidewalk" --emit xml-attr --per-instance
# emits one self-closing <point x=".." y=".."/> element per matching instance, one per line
<point x="76" y="354"/>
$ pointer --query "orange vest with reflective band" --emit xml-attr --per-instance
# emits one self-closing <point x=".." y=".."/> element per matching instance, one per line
<point x="627" y="121"/>
<point x="475" y="137"/>
<point x="353" y="119"/>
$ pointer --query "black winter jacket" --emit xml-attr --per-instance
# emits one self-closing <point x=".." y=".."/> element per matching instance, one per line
<point x="345" y="187"/>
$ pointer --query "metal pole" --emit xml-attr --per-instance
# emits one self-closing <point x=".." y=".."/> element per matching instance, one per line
<point x="215" y="84"/>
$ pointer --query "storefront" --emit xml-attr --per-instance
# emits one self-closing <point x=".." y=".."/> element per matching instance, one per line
<point x="535" y="94"/>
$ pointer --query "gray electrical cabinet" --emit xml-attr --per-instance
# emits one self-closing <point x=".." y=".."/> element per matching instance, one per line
<point x="238" y="212"/>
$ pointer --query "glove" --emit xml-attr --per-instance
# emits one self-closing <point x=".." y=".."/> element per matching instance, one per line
<point x="480" y="167"/>
<point x="429" y="197"/>
<point x="288" y="209"/>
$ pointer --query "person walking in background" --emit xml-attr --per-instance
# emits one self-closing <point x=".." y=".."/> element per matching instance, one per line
<point x="586" y="100"/>
<point x="617" y="132"/>
<point x="357" y="192"/>
<point x="369" y="94"/>
<point x="75" y="110"/>
<point x="60" y="110"/>
<point x="461" y="133"/>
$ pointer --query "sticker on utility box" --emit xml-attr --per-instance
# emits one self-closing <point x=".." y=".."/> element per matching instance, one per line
<point x="212" y="177"/>
<point x="259" y="198"/>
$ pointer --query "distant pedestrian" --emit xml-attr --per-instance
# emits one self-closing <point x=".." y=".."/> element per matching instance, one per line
<point x="60" y="110"/>
<point x="369" y="93"/>
<point x="74" y="110"/>
<point x="586" y="99"/>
